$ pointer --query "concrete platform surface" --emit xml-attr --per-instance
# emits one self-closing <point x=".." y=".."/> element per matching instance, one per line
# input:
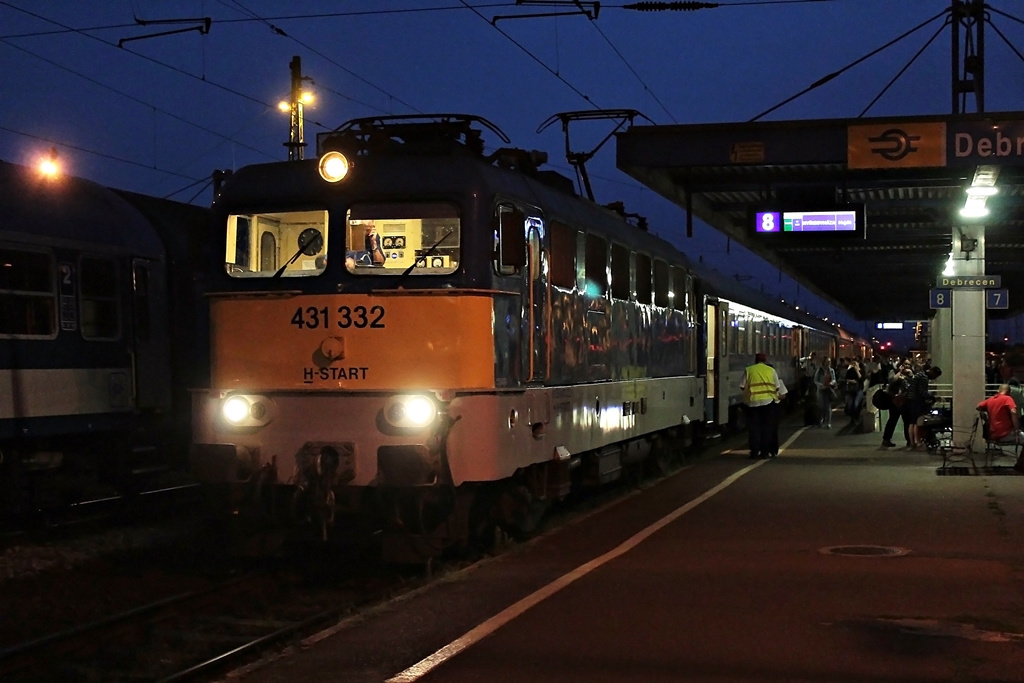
<point x="837" y="561"/>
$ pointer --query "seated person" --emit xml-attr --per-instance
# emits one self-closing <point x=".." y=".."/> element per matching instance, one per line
<point x="1003" y="422"/>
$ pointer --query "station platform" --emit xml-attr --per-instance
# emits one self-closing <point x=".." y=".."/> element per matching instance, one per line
<point x="837" y="561"/>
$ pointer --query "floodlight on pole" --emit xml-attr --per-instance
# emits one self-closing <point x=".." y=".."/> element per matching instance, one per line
<point x="296" y="142"/>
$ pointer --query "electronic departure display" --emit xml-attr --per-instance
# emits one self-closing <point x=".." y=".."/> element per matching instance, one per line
<point x="846" y="221"/>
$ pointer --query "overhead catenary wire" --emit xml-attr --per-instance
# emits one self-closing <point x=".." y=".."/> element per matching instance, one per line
<point x="281" y="32"/>
<point x="103" y="155"/>
<point x="825" y="79"/>
<point x="137" y="100"/>
<point x="903" y="70"/>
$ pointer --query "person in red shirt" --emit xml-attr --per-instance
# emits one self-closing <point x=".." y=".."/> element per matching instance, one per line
<point x="1003" y="423"/>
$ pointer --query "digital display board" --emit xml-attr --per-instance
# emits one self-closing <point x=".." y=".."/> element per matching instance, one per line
<point x="844" y="221"/>
<point x="806" y="221"/>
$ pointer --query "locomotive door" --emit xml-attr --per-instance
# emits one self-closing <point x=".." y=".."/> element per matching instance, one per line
<point x="535" y="284"/>
<point x="150" y="334"/>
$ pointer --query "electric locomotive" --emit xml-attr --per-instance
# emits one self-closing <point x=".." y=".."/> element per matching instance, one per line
<point x="87" y="349"/>
<point x="409" y="327"/>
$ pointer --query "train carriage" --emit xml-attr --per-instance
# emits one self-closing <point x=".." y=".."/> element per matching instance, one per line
<point x="85" y="341"/>
<point x="435" y="321"/>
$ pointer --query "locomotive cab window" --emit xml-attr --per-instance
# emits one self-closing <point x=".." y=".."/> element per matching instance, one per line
<point x="422" y="238"/>
<point x="509" y="240"/>
<point x="563" y="256"/>
<point x="277" y="244"/>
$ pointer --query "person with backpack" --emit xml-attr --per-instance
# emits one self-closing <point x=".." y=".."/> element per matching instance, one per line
<point x="893" y="398"/>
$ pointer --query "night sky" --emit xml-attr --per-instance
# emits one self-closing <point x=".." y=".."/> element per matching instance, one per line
<point x="158" y="113"/>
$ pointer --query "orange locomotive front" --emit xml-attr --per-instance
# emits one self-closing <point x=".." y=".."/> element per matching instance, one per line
<point x="410" y="330"/>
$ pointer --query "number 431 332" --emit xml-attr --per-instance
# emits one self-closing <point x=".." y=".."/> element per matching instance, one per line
<point x="343" y="317"/>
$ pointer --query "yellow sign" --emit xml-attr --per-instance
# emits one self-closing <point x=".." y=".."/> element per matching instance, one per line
<point x="903" y="144"/>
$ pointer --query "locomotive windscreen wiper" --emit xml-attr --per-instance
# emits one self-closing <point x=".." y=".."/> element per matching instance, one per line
<point x="311" y="241"/>
<point x="425" y="255"/>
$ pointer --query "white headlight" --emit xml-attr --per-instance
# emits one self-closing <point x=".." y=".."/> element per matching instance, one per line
<point x="334" y="166"/>
<point x="235" y="409"/>
<point x="410" y="412"/>
<point x="420" y="410"/>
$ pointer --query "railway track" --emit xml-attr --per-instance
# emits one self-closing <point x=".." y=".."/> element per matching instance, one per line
<point x="199" y="633"/>
<point x="219" y="616"/>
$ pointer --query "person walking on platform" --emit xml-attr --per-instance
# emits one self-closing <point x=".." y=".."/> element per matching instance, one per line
<point x="825" y="383"/>
<point x="897" y="395"/>
<point x="762" y="389"/>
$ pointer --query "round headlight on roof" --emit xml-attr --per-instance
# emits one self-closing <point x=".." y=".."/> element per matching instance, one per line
<point x="334" y="166"/>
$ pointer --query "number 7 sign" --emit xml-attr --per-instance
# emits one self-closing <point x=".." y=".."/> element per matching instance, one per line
<point x="997" y="298"/>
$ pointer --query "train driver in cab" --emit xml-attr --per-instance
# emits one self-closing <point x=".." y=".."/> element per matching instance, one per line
<point x="371" y="242"/>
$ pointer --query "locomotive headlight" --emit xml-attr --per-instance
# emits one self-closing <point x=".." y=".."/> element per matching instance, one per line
<point x="247" y="410"/>
<point x="420" y="410"/>
<point x="334" y="166"/>
<point x="410" y="411"/>
<point x="235" y="409"/>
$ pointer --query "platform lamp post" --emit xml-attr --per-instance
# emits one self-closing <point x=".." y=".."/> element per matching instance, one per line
<point x="299" y="97"/>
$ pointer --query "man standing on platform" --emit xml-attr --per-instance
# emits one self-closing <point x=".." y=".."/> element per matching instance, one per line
<point x="762" y="390"/>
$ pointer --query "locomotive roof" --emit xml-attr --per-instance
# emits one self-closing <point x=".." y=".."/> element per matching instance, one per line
<point x="71" y="211"/>
<point x="453" y="143"/>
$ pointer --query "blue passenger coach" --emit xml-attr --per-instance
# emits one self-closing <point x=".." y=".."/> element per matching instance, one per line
<point x="86" y="370"/>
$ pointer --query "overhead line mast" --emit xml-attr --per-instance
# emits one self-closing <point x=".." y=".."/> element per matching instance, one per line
<point x="970" y="16"/>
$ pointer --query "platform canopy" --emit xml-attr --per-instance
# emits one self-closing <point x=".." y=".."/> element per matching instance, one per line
<point x="911" y="176"/>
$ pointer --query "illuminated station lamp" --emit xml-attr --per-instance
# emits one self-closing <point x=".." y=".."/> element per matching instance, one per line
<point x="982" y="187"/>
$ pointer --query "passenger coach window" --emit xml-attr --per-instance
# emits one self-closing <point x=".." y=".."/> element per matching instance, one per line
<point x="27" y="298"/>
<point x="101" y="317"/>
<point x="283" y="244"/>
<point x="423" y="238"/>
<point x="563" y="255"/>
<point x="620" y="273"/>
<point x="643" y="278"/>
<point x="597" y="266"/>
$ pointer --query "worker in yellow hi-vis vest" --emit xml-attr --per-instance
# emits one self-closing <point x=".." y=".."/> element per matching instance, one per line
<point x="763" y="391"/>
